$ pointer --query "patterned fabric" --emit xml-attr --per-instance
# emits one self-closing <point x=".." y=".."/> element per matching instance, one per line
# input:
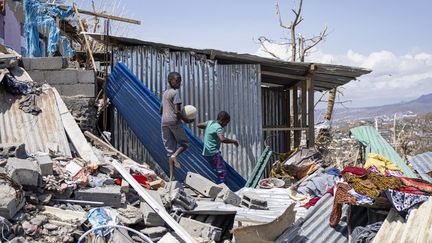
<point x="341" y="196"/>
<point x="404" y="202"/>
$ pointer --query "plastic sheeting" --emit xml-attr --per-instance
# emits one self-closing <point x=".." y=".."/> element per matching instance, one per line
<point x="140" y="108"/>
<point x="375" y="143"/>
<point x="41" y="15"/>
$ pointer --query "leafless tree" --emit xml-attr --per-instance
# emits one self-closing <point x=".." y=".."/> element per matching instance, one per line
<point x="299" y="45"/>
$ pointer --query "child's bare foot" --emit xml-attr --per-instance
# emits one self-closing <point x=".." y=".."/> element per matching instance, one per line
<point x="173" y="160"/>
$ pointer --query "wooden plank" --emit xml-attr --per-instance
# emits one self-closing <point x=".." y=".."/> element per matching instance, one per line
<point x="303" y="103"/>
<point x="102" y="15"/>
<point x="74" y="132"/>
<point x="87" y="44"/>
<point x="159" y="209"/>
<point x="106" y="146"/>
<point x="283" y="75"/>
<point x="311" y="117"/>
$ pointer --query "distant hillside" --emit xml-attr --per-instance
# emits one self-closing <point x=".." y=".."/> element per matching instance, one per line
<point x="421" y="105"/>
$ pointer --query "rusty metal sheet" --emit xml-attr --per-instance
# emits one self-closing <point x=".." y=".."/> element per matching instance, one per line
<point x="36" y="132"/>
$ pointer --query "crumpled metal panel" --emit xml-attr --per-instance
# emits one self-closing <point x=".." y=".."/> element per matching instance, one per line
<point x="278" y="201"/>
<point x="35" y="132"/>
<point x="375" y="143"/>
<point x="422" y="163"/>
<point x="418" y="227"/>
<point x="314" y="227"/>
<point x="208" y="86"/>
<point x="140" y="108"/>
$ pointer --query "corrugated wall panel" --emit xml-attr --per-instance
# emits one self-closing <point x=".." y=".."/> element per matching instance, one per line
<point x="240" y="94"/>
<point x="208" y="87"/>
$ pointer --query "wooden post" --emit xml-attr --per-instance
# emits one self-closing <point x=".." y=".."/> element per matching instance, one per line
<point x="311" y="117"/>
<point x="303" y="106"/>
<point x="288" y="133"/>
<point x="296" y="115"/>
<point x="89" y="51"/>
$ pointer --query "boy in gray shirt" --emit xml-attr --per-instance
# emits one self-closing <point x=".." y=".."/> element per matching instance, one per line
<point x="172" y="132"/>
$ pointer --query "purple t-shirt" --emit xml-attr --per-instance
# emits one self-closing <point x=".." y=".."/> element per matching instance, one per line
<point x="170" y="99"/>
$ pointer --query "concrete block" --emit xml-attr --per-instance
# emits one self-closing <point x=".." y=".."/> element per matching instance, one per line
<point x="45" y="164"/>
<point x="26" y="63"/>
<point x="229" y="197"/>
<point x="11" y="200"/>
<point x="129" y="215"/>
<point x="151" y="218"/>
<point x="169" y="238"/>
<point x="110" y="195"/>
<point x="13" y="150"/>
<point x="154" y="233"/>
<point x="37" y="75"/>
<point x="180" y="199"/>
<point x="44" y="63"/>
<point x="201" y="230"/>
<point x="84" y="90"/>
<point x="86" y="77"/>
<point x="172" y="185"/>
<point x="253" y="203"/>
<point x="61" y="77"/>
<point x="25" y="172"/>
<point x="202" y="185"/>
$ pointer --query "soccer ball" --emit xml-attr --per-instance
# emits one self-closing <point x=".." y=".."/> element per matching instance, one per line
<point x="190" y="112"/>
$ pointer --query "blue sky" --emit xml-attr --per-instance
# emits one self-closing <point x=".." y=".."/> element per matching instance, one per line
<point x="393" y="38"/>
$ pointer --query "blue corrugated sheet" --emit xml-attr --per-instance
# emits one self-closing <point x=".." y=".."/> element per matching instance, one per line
<point x="140" y="108"/>
<point x="375" y="143"/>
<point x="422" y="163"/>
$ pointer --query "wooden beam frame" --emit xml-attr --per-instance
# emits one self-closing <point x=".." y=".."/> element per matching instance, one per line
<point x="283" y="75"/>
<point x="102" y="15"/>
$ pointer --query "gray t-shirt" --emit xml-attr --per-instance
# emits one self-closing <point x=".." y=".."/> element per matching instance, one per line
<point x="170" y="98"/>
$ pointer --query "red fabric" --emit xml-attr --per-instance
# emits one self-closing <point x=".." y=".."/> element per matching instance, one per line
<point x="412" y="190"/>
<point x="342" y="196"/>
<point x="142" y="180"/>
<point x="419" y="184"/>
<point x="359" y="171"/>
<point x="311" y="202"/>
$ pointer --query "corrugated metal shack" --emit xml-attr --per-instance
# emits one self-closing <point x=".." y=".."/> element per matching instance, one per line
<point x="265" y="97"/>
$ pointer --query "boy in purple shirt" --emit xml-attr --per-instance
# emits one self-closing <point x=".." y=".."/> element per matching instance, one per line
<point x="173" y="133"/>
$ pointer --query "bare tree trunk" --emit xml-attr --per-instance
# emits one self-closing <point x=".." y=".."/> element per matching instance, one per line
<point x="330" y="104"/>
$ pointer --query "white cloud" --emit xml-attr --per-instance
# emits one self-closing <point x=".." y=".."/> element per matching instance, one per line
<point x="394" y="78"/>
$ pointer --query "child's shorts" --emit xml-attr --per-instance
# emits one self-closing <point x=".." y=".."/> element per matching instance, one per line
<point x="218" y="165"/>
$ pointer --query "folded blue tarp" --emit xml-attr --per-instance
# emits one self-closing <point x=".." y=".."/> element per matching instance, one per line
<point x="140" y="108"/>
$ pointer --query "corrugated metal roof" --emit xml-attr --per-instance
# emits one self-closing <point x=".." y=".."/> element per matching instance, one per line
<point x="278" y="201"/>
<point x="375" y="143"/>
<point x="207" y="85"/>
<point x="315" y="225"/>
<point x="35" y="132"/>
<point x="140" y="108"/>
<point x="274" y="71"/>
<point x="418" y="227"/>
<point x="422" y="163"/>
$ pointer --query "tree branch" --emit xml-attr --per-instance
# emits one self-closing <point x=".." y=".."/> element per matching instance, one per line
<point x="262" y="40"/>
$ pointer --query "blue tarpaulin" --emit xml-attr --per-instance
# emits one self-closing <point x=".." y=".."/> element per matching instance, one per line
<point x="42" y="15"/>
<point x="140" y="108"/>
